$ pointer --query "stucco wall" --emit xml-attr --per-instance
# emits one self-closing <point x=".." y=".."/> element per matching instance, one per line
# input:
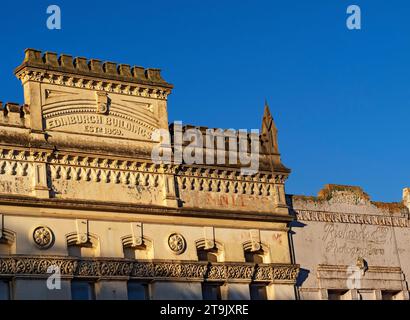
<point x="340" y="226"/>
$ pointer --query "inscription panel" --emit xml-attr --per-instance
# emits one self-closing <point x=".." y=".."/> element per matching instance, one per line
<point x="88" y="190"/>
<point x="218" y="200"/>
<point x="98" y="113"/>
<point x="356" y="240"/>
<point x="99" y="125"/>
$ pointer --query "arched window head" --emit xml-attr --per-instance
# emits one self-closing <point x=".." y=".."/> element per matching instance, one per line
<point x="258" y="253"/>
<point x="140" y="249"/>
<point x="255" y="257"/>
<point x="7" y="242"/>
<point x="88" y="248"/>
<point x="209" y="253"/>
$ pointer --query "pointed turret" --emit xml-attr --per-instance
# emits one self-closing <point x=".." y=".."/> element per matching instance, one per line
<point x="269" y="132"/>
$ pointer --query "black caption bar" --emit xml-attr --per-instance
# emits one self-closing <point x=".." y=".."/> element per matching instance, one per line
<point x="187" y="309"/>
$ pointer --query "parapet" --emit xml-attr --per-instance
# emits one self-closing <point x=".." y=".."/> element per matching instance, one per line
<point x="14" y="114"/>
<point x="221" y="140"/>
<point x="334" y="197"/>
<point x="35" y="59"/>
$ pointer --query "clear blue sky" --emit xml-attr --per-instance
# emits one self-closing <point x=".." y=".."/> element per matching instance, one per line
<point x="340" y="98"/>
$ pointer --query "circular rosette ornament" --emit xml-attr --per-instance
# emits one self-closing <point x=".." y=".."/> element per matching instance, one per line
<point x="43" y="237"/>
<point x="176" y="243"/>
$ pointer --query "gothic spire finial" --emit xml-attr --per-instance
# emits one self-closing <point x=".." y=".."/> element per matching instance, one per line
<point x="269" y="131"/>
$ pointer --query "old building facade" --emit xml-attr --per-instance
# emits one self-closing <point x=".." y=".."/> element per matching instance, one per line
<point x="349" y="247"/>
<point x="82" y="200"/>
<point x="86" y="213"/>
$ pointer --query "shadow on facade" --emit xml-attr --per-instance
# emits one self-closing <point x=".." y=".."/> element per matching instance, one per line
<point x="293" y="227"/>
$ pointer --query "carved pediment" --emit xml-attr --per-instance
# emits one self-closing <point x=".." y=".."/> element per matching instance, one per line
<point x="73" y="97"/>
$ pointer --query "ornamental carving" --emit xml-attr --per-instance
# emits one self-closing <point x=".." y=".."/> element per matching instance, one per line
<point x="43" y="237"/>
<point x="131" y="172"/>
<point x="118" y="269"/>
<point x="102" y="102"/>
<point x="177" y="243"/>
<point x="343" y="217"/>
<point x="142" y="270"/>
<point x="263" y="273"/>
<point x="83" y="82"/>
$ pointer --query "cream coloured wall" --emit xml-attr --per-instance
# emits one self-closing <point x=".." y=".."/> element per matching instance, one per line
<point x="109" y="236"/>
<point x="341" y="227"/>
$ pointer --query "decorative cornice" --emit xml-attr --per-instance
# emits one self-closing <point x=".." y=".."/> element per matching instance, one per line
<point x="343" y="217"/>
<point x="143" y="209"/>
<point x="51" y="77"/>
<point x="343" y="268"/>
<point x="230" y="174"/>
<point x="36" y="266"/>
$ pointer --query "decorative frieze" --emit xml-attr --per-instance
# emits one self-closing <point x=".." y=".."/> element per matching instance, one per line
<point x="357" y="218"/>
<point x="104" y="170"/>
<point x="165" y="270"/>
<point x="54" y="173"/>
<point x="20" y="162"/>
<point x="110" y="170"/>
